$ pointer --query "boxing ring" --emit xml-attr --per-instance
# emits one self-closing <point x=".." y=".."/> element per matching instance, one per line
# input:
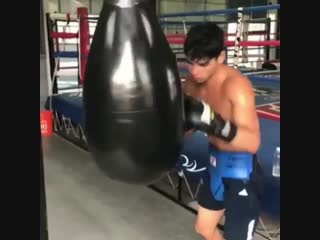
<point x="68" y="106"/>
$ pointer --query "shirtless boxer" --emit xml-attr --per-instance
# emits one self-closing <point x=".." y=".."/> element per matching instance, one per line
<point x="220" y="101"/>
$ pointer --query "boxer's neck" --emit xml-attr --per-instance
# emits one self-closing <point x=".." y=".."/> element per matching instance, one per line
<point x="218" y="76"/>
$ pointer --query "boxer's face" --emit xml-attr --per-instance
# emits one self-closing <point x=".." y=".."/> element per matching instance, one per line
<point x="202" y="70"/>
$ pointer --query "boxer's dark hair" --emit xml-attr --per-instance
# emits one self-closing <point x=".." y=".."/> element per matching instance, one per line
<point x="204" y="41"/>
<point x="269" y="66"/>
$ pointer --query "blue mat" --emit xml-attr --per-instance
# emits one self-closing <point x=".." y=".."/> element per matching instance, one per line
<point x="267" y="92"/>
<point x="69" y="105"/>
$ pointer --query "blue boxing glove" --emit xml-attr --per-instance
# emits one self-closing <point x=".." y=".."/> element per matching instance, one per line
<point x="198" y="115"/>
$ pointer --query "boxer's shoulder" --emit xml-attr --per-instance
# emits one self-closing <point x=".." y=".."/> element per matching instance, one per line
<point x="237" y="85"/>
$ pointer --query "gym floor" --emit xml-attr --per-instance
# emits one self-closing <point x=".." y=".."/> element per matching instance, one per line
<point x="82" y="203"/>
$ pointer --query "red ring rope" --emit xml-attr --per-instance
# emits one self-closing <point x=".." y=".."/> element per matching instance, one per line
<point x="84" y="40"/>
<point x="176" y="35"/>
<point x="275" y="43"/>
<point x="182" y="35"/>
<point x="63" y="35"/>
<point x="268" y="115"/>
<point x="231" y="43"/>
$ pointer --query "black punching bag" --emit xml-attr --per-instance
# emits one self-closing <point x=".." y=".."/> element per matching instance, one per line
<point x="132" y="94"/>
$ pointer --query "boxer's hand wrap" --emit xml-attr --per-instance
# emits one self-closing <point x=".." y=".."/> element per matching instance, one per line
<point x="199" y="115"/>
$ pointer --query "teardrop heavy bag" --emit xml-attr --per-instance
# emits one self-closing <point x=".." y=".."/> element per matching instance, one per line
<point x="132" y="95"/>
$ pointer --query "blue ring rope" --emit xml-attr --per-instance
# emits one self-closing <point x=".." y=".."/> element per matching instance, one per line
<point x="222" y="11"/>
<point x="66" y="54"/>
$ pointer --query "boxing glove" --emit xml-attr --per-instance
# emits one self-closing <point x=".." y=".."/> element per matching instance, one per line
<point x="198" y="115"/>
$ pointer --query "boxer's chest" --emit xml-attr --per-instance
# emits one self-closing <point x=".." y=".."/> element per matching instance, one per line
<point x="217" y="99"/>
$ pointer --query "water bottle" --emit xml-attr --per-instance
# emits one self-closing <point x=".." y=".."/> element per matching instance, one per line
<point x="276" y="163"/>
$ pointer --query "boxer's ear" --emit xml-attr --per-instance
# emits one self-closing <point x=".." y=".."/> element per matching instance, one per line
<point x="222" y="57"/>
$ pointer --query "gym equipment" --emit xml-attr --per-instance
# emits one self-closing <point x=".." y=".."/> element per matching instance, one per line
<point x="132" y="94"/>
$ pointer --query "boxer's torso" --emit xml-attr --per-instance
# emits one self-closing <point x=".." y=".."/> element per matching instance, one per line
<point x="223" y="164"/>
<point x="215" y="93"/>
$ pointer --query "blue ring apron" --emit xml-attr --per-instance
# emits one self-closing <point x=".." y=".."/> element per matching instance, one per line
<point x="223" y="164"/>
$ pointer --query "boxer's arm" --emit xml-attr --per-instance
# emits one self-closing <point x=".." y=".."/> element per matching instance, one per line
<point x="244" y="117"/>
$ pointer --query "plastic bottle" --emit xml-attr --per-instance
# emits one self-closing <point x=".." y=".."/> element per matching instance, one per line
<point x="276" y="163"/>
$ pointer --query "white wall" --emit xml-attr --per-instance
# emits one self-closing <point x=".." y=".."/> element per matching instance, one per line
<point x="53" y="6"/>
<point x="96" y="6"/>
<point x="178" y="6"/>
<point x="166" y="6"/>
<point x="169" y="6"/>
